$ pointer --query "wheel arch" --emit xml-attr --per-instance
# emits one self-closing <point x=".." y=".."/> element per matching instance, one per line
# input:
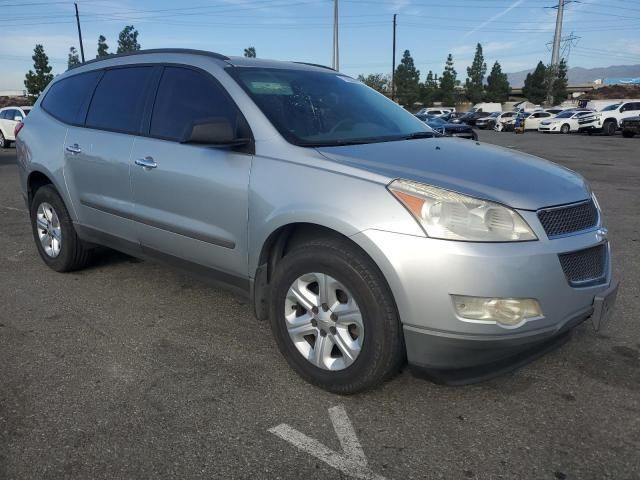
<point x="282" y="240"/>
<point x="36" y="180"/>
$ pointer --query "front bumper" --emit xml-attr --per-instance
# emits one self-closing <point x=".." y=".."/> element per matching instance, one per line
<point x="423" y="273"/>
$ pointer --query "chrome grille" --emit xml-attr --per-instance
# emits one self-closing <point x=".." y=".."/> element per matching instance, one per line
<point x="585" y="267"/>
<point x="568" y="219"/>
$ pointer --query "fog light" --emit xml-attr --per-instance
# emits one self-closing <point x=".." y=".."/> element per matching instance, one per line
<point x="503" y="311"/>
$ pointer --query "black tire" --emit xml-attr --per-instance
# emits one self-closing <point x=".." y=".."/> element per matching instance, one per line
<point x="383" y="350"/>
<point x="628" y="134"/>
<point x="74" y="253"/>
<point x="3" y="142"/>
<point x="565" y="129"/>
<point x="609" y="128"/>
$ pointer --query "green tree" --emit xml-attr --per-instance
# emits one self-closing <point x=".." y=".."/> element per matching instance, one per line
<point x="37" y="80"/>
<point x="448" y="82"/>
<point x="377" y="81"/>
<point x="250" y="52"/>
<point x="73" y="59"/>
<point x="429" y="89"/>
<point x="498" y="88"/>
<point x="407" y="81"/>
<point x="559" y="83"/>
<point x="128" y="40"/>
<point x="535" y="85"/>
<point x="475" y="77"/>
<point x="103" y="48"/>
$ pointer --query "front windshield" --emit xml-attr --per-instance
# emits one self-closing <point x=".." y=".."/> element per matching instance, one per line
<point x="611" y="107"/>
<point x="312" y="108"/>
<point x="565" y="115"/>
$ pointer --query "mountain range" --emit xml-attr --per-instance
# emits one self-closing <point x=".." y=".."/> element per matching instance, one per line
<point x="583" y="75"/>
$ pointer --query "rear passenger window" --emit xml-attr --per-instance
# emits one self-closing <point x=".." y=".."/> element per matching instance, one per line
<point x="65" y="98"/>
<point x="118" y="102"/>
<point x="184" y="97"/>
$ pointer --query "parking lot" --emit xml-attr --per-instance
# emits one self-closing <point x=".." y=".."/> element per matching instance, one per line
<point x="130" y="369"/>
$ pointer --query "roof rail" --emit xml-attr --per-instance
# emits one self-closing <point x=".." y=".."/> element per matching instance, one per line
<point x="316" y="65"/>
<point x="155" y="50"/>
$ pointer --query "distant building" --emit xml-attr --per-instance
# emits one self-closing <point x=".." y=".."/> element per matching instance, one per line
<point x="621" y="81"/>
<point x="13" y="93"/>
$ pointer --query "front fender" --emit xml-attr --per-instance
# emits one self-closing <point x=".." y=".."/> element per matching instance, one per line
<point x="283" y="193"/>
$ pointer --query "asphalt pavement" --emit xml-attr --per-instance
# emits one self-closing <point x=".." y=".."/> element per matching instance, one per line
<point x="130" y="369"/>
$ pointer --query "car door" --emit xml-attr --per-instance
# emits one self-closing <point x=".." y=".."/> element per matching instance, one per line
<point x="97" y="153"/>
<point x="192" y="200"/>
<point x="533" y="122"/>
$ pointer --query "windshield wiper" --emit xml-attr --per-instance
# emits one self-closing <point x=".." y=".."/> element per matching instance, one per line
<point x="415" y="135"/>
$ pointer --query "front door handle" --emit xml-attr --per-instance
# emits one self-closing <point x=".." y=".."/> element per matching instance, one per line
<point x="146" y="162"/>
<point x="73" y="149"/>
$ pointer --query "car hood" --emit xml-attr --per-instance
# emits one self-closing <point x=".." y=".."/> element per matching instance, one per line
<point x="480" y="170"/>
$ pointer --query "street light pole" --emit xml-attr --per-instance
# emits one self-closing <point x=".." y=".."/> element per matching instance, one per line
<point x="555" y="55"/>
<point x="336" y="45"/>
<point x="79" y="33"/>
<point x="393" y="65"/>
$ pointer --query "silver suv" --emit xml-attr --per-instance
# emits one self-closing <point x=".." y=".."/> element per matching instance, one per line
<point x="361" y="238"/>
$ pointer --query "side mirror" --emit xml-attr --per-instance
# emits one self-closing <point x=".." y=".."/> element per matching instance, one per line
<point x="213" y="131"/>
<point x="17" y="118"/>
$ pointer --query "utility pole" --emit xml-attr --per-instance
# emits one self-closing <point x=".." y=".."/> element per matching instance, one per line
<point x="555" y="55"/>
<point x="336" y="46"/>
<point x="79" y="33"/>
<point x="393" y="65"/>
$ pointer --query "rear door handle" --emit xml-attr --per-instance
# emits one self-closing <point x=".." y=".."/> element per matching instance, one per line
<point x="146" y="162"/>
<point x="73" y="149"/>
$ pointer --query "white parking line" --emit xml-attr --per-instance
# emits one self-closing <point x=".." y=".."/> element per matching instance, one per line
<point x="352" y="461"/>
<point x="13" y="209"/>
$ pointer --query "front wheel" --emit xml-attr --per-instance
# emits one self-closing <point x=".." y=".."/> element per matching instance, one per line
<point x="565" y="129"/>
<point x="628" y="133"/>
<point x="609" y="128"/>
<point x="333" y="317"/>
<point x="3" y="141"/>
<point x="56" y="239"/>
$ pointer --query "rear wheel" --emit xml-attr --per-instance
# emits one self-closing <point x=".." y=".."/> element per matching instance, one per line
<point x="565" y="128"/>
<point x="3" y="141"/>
<point x="56" y="239"/>
<point x="609" y="128"/>
<point x="333" y="317"/>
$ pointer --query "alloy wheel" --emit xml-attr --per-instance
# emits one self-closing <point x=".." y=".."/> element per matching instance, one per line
<point x="49" y="230"/>
<point x="324" y="321"/>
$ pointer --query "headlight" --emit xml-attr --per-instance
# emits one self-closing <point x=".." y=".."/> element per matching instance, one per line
<point x="452" y="216"/>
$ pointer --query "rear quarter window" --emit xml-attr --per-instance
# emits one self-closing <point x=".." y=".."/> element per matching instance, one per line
<point x="65" y="98"/>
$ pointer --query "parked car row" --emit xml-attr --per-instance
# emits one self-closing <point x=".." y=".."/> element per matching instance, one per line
<point x="448" y="129"/>
<point x="623" y="115"/>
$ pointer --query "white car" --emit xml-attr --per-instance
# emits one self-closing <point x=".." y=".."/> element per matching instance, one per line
<point x="565" y="122"/>
<point x="436" y="111"/>
<point x="504" y="119"/>
<point x="534" y="120"/>
<point x="9" y="118"/>
<point x="608" y="119"/>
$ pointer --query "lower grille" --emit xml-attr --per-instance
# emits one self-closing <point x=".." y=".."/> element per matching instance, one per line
<point x="585" y="267"/>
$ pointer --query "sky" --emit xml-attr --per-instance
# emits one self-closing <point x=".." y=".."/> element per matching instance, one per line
<point x="514" y="32"/>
